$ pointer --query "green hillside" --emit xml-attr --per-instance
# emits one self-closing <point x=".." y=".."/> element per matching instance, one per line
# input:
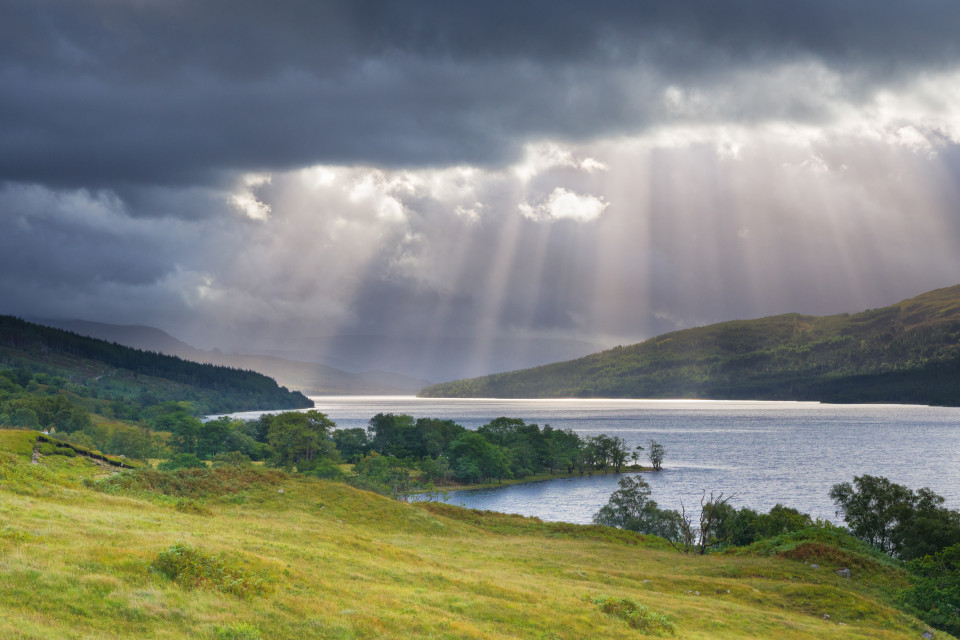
<point x="908" y="352"/>
<point x="251" y="553"/>
<point x="129" y="379"/>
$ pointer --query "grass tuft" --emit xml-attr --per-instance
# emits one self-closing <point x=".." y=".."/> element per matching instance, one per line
<point x="238" y="631"/>
<point x="638" y="616"/>
<point x="193" y="568"/>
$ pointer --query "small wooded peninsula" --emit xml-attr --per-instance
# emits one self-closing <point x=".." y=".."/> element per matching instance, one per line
<point x="908" y="352"/>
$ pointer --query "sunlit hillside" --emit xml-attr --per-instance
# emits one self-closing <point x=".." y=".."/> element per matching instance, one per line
<point x="908" y="352"/>
<point x="254" y="553"/>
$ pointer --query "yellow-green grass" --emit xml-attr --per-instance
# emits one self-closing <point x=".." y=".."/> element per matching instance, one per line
<point x="343" y="563"/>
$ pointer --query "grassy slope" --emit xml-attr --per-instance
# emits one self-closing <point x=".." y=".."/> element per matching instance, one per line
<point x="348" y="564"/>
<point x="907" y="352"/>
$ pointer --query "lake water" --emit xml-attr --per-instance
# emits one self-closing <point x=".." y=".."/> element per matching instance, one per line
<point x="762" y="453"/>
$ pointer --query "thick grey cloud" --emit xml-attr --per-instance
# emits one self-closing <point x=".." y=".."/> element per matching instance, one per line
<point x="106" y="93"/>
<point x="450" y="188"/>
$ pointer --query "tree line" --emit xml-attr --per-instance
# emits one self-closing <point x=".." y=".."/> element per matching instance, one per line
<point x="396" y="453"/>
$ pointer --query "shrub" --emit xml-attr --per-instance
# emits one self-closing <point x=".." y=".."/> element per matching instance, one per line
<point x="232" y="459"/>
<point x="638" y="616"/>
<point x="181" y="461"/>
<point x="192" y="568"/>
<point x="934" y="593"/>
<point x="328" y="470"/>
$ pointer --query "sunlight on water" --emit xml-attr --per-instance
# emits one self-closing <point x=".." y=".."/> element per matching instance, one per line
<point x="762" y="452"/>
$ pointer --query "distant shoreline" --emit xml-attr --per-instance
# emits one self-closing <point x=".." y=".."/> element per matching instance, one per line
<point x="538" y="477"/>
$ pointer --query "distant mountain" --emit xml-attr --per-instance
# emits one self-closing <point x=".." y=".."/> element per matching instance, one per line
<point x="438" y="357"/>
<point x="908" y="352"/>
<point x="309" y="377"/>
<point x="93" y="368"/>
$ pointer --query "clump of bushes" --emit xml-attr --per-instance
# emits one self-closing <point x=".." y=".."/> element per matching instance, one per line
<point x="934" y="594"/>
<point x="638" y="616"/>
<point x="193" y="568"/>
<point x="182" y="461"/>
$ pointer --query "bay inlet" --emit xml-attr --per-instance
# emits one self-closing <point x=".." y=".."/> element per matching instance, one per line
<point x="762" y="453"/>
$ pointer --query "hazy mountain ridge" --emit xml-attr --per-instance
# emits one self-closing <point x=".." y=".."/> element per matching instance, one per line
<point x="309" y="377"/>
<point x="908" y="352"/>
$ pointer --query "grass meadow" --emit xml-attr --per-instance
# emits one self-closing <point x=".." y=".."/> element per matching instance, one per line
<point x="82" y="557"/>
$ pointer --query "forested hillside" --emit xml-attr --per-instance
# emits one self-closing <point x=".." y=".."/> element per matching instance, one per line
<point x="129" y="379"/>
<point x="908" y="352"/>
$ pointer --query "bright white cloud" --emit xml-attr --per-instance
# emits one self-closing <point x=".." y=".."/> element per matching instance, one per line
<point x="566" y="205"/>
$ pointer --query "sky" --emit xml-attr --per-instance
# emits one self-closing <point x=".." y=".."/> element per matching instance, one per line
<point x="443" y="188"/>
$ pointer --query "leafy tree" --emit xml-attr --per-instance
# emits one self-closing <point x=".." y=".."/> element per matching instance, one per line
<point x="873" y="507"/>
<point x="436" y="435"/>
<point x="894" y="518"/>
<point x="927" y="528"/>
<point x="24" y="417"/>
<point x="130" y="442"/>
<point x="353" y="444"/>
<point x="177" y="418"/>
<point x="501" y="431"/>
<point x="630" y="507"/>
<point x="474" y="458"/>
<point x="301" y="440"/>
<point x="657" y="452"/>
<point x="388" y="475"/>
<point x="618" y="453"/>
<point x="740" y="527"/>
<point x="393" y="434"/>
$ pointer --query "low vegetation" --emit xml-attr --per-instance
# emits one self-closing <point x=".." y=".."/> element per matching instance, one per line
<point x="637" y="616"/>
<point x="193" y="568"/>
<point x="887" y="525"/>
<point x="337" y="562"/>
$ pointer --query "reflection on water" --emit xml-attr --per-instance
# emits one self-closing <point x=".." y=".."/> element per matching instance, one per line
<point x="762" y="452"/>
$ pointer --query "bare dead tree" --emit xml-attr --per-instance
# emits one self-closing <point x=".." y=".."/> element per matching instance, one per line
<point x="691" y="539"/>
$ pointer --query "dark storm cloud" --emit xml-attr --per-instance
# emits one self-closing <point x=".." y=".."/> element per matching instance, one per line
<point x="106" y="93"/>
<point x="452" y="182"/>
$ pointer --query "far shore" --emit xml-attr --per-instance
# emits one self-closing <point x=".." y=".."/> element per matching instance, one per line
<point x="537" y="477"/>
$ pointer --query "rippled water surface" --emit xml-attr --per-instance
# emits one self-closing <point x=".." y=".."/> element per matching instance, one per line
<point x="762" y="452"/>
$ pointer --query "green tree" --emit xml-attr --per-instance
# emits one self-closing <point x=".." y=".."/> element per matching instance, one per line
<point x="872" y="507"/>
<point x="657" y="452"/>
<point x="393" y="434"/>
<point x="178" y="419"/>
<point x="301" y="440"/>
<point x="472" y="455"/>
<point x="631" y="508"/>
<point x="934" y="593"/>
<point x="353" y="444"/>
